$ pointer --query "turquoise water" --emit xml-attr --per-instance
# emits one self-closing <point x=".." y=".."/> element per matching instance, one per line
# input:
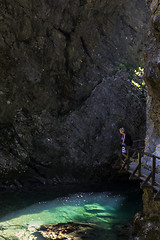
<point x="22" y="213"/>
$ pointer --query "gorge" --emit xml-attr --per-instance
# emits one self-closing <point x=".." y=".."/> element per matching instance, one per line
<point x="71" y="76"/>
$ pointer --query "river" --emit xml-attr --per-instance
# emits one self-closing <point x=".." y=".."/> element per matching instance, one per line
<point x="110" y="209"/>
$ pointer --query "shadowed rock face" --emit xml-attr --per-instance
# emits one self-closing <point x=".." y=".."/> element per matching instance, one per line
<point x="62" y="96"/>
<point x="152" y="77"/>
<point x="148" y="221"/>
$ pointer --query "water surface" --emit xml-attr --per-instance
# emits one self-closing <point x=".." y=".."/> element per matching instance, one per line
<point x="22" y="213"/>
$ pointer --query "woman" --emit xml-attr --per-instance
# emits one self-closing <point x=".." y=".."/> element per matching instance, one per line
<point x="126" y="138"/>
<point x="122" y="132"/>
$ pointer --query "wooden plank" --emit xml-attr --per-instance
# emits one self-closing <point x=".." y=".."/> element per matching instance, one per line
<point x="124" y="164"/>
<point x="139" y="164"/>
<point x="153" y="170"/>
<point x="150" y="155"/>
<point x="128" y="158"/>
<point x="133" y="159"/>
<point x="135" y="170"/>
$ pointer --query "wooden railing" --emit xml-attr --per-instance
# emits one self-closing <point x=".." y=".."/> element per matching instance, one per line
<point x="132" y="162"/>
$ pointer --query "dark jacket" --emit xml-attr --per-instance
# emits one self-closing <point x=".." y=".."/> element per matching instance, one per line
<point x="128" y="140"/>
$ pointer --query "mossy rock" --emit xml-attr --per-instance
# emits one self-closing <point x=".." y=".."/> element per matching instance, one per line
<point x="137" y="224"/>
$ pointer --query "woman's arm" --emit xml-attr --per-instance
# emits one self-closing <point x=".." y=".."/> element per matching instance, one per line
<point x="124" y="136"/>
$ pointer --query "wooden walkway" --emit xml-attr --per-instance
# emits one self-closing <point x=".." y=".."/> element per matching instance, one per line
<point x="134" y="163"/>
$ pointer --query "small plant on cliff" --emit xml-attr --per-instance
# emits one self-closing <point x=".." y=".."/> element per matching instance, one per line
<point x="124" y="65"/>
<point x="135" y="73"/>
<point x="138" y="78"/>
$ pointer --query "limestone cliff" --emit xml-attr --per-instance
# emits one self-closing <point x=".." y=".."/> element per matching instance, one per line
<point x="152" y="77"/>
<point x="146" y="224"/>
<point x="65" y="86"/>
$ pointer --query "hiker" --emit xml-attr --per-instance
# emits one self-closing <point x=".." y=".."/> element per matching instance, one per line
<point x="126" y="140"/>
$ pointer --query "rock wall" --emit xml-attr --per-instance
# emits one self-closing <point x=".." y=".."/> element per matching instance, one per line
<point x="65" y="87"/>
<point x="146" y="225"/>
<point x="152" y="76"/>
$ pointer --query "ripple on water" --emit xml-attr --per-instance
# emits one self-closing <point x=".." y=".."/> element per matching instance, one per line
<point x="103" y="209"/>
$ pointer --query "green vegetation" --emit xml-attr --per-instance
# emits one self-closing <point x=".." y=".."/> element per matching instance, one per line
<point x="139" y="72"/>
<point x="135" y="73"/>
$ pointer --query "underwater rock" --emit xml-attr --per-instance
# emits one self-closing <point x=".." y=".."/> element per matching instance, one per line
<point x="94" y="208"/>
<point x="12" y="238"/>
<point x="105" y="215"/>
<point x="72" y="231"/>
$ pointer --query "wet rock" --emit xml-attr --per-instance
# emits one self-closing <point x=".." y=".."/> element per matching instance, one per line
<point x="70" y="231"/>
<point x="80" y="231"/>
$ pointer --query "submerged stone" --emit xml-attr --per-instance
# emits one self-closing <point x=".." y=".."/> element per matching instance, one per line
<point x="12" y="238"/>
<point x="105" y="215"/>
<point x="71" y="231"/>
<point x="94" y="208"/>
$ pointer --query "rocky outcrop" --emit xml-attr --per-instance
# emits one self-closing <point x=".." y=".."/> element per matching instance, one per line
<point x="65" y="87"/>
<point x="78" y="231"/>
<point x="71" y="230"/>
<point x="152" y="75"/>
<point x="146" y="224"/>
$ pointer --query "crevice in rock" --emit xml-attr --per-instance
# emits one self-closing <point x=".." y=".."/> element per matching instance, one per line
<point x="126" y="23"/>
<point x="6" y="5"/>
<point x="82" y="3"/>
<point x="86" y="49"/>
<point x="33" y="168"/>
<point x="9" y="46"/>
<point x="66" y="53"/>
<point x="19" y="4"/>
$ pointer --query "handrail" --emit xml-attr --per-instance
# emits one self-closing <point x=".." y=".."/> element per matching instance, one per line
<point x="138" y="168"/>
<point x="147" y="173"/>
<point x="145" y="153"/>
<point x="151" y="155"/>
<point x="138" y="140"/>
<point x="142" y="152"/>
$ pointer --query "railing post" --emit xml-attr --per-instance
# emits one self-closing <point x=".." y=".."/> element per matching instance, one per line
<point x="139" y="162"/>
<point x="128" y="158"/>
<point x="153" y="170"/>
